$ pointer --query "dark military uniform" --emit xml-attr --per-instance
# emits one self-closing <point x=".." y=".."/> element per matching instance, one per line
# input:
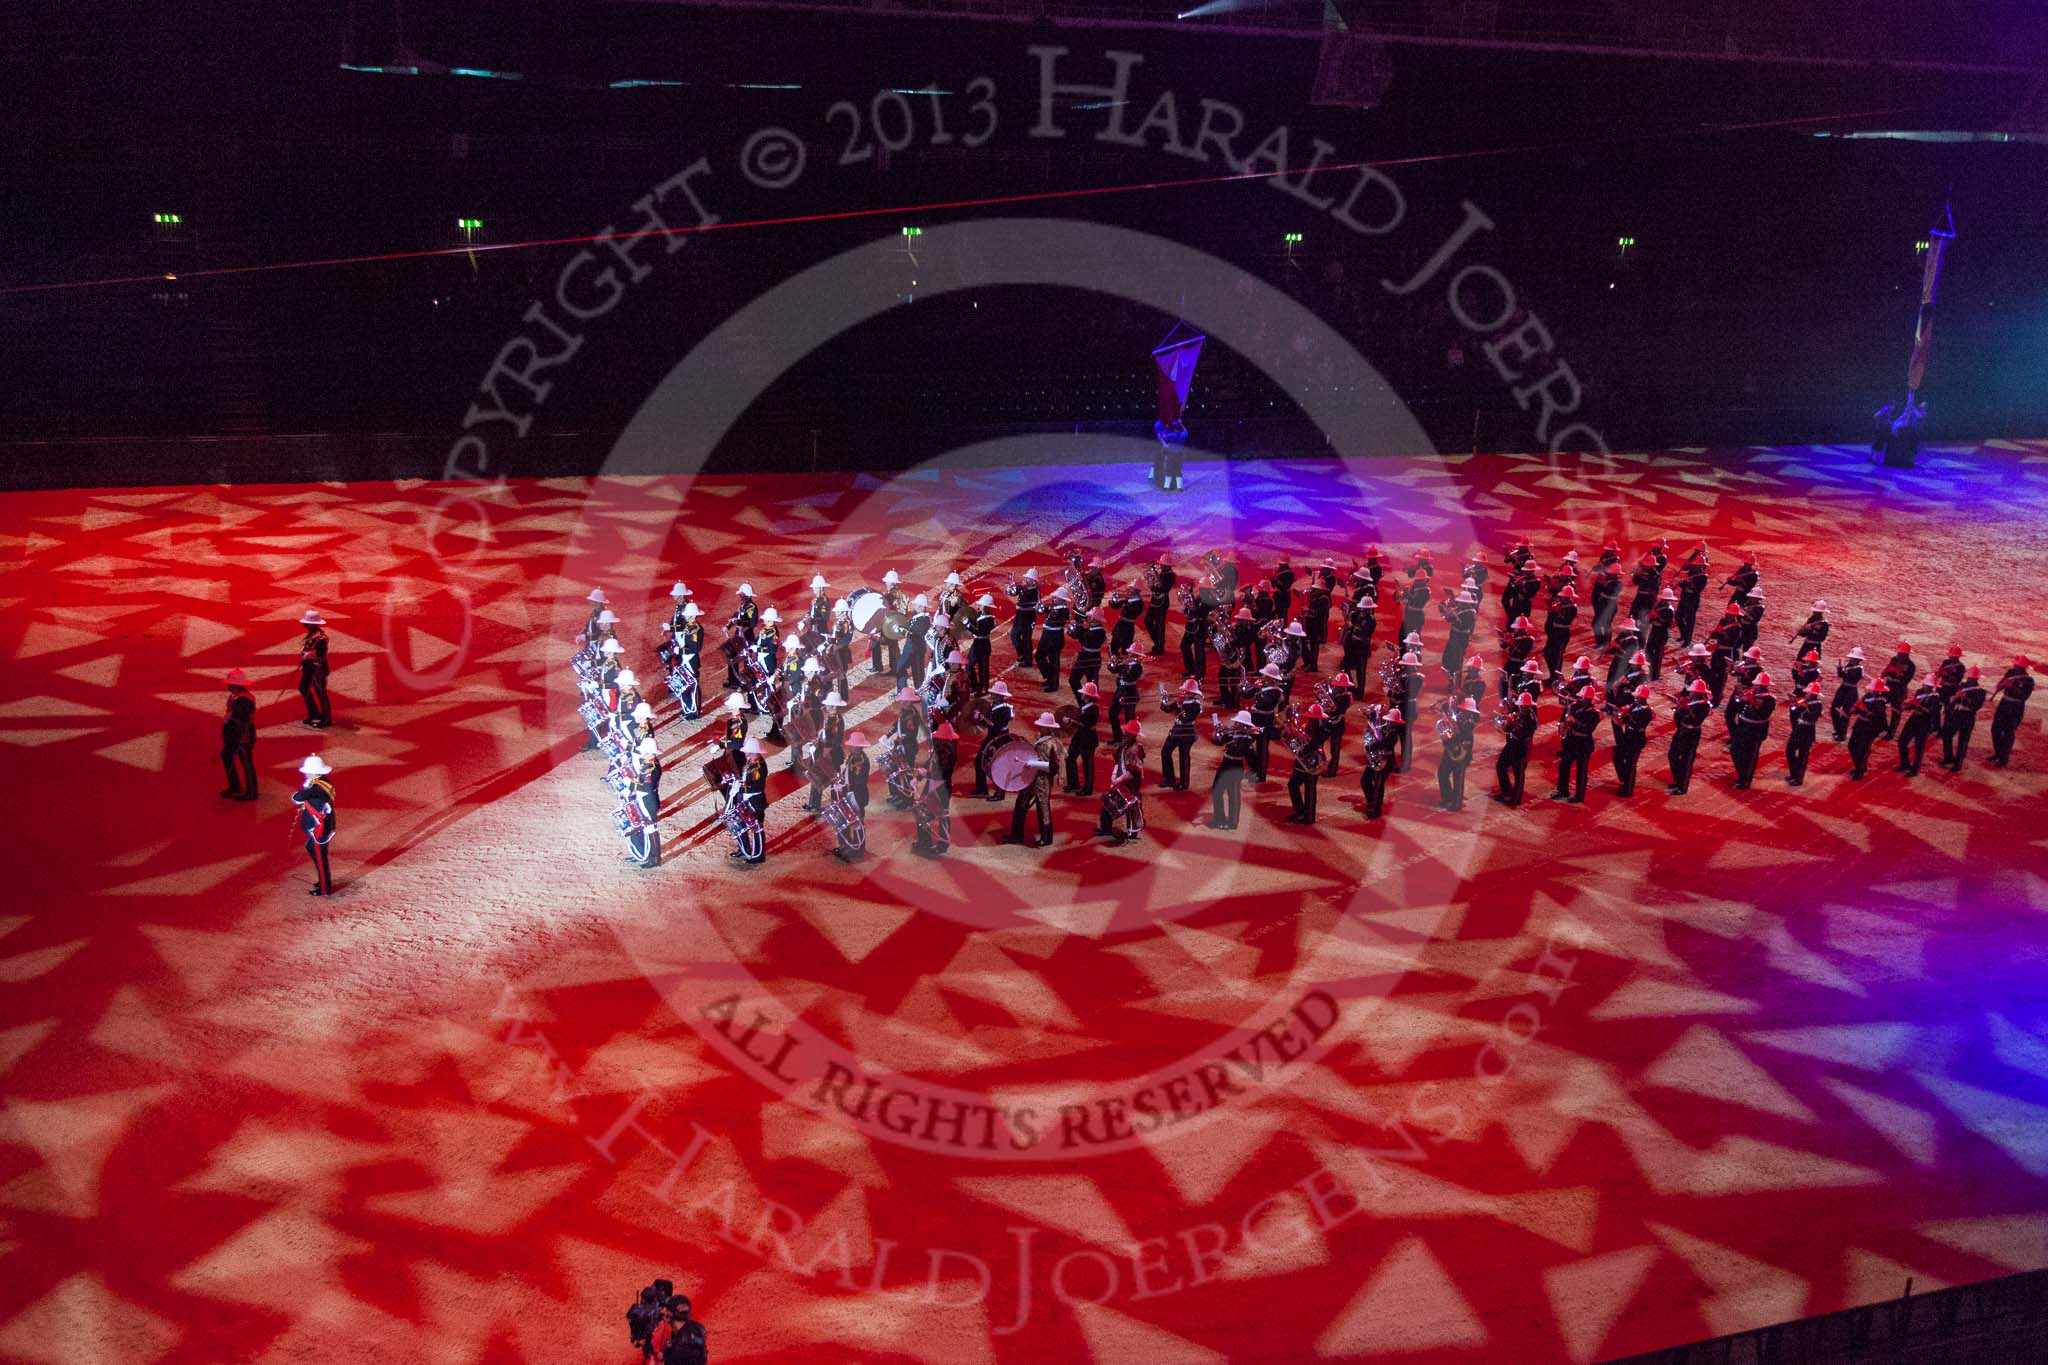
<point x="1185" y="709"/>
<point x="1226" y="790"/>
<point x="1632" y="736"/>
<point x="313" y="678"/>
<point x="1958" y="719"/>
<point x="1089" y="640"/>
<point x="1923" y="716"/>
<point x="1455" y="758"/>
<point x="1081" y="749"/>
<point x="1510" y="770"/>
<point x="1867" y="720"/>
<point x="2012" y="692"/>
<point x="1024" y="623"/>
<point x="1052" y="641"/>
<point x="238" y="744"/>
<point x="1848" y="686"/>
<point x="1691" y="716"/>
<point x="1383" y="739"/>
<point x="1897" y="677"/>
<point x="1804" y="714"/>
<point x="1575" y="756"/>
<point x="1156" y="608"/>
<point x="1750" y="726"/>
<point x="643" y="799"/>
<point x="317" y="821"/>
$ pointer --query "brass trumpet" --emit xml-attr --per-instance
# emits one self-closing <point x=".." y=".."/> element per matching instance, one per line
<point x="1222" y="731"/>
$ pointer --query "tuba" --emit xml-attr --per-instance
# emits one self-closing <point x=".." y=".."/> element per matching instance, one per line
<point x="1378" y="756"/>
<point x="1184" y="597"/>
<point x="1077" y="589"/>
<point x="1310" y="758"/>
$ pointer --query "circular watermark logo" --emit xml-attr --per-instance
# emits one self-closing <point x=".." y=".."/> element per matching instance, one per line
<point x="1274" y="944"/>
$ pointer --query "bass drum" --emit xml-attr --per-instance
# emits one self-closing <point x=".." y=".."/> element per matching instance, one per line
<point x="864" y="605"/>
<point x="1011" y="768"/>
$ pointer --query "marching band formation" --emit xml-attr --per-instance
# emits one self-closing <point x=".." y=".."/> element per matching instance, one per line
<point x="932" y="654"/>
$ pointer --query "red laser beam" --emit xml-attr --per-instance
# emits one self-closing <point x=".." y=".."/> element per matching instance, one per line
<point x="930" y="206"/>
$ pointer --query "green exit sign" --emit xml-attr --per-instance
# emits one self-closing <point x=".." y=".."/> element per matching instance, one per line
<point x="470" y="224"/>
<point x="1293" y="238"/>
<point x="168" y="219"/>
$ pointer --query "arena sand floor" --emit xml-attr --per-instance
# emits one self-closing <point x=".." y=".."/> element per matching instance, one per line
<point x="1548" y="1084"/>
